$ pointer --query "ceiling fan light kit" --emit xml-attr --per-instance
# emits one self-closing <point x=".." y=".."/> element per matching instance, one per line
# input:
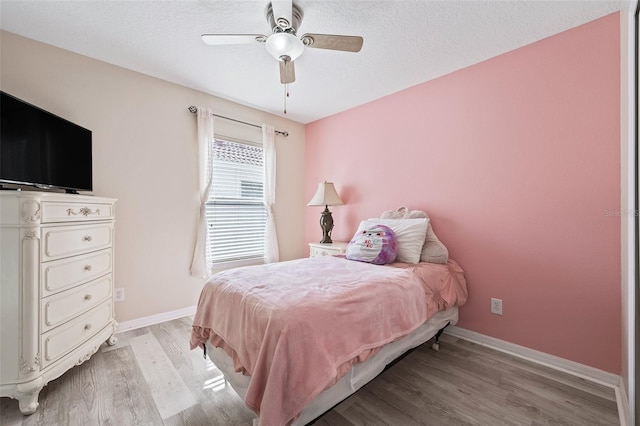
<point x="284" y="44"/>
<point x="284" y="18"/>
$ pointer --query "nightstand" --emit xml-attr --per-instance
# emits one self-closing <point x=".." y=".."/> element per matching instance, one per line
<point x="319" y="249"/>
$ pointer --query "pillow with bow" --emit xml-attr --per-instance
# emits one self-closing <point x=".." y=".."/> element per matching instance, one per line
<point x="433" y="250"/>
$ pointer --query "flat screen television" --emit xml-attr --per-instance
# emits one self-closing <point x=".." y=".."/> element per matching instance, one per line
<point x="40" y="149"/>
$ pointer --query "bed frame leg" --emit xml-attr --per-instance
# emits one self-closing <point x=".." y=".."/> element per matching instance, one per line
<point x="436" y="344"/>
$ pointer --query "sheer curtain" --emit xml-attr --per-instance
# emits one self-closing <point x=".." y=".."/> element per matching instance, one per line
<point x="271" y="252"/>
<point x="200" y="265"/>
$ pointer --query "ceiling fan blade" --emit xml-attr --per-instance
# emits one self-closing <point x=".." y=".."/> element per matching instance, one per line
<point x="287" y="72"/>
<point x="333" y="42"/>
<point x="282" y="9"/>
<point x="221" y="39"/>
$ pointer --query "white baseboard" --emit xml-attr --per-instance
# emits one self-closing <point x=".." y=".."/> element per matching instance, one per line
<point x="155" y="319"/>
<point x="623" y="405"/>
<point x="571" y="367"/>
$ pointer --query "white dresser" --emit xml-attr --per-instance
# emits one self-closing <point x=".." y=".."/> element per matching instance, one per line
<point x="56" y="287"/>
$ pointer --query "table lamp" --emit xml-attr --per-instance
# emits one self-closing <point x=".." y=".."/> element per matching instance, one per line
<point x="326" y="196"/>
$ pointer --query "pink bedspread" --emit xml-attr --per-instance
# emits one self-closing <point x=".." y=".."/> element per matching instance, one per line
<point x="297" y="327"/>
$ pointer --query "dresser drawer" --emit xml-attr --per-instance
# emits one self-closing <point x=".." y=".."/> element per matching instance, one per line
<point x="315" y="251"/>
<point x="331" y="249"/>
<point x="75" y="212"/>
<point x="64" y="339"/>
<point x="63" y="274"/>
<point x="64" y="306"/>
<point x="65" y="241"/>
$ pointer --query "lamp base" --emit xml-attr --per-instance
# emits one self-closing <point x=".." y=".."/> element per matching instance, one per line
<point x="326" y="223"/>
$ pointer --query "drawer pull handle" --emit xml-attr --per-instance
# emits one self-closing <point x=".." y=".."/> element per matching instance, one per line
<point x="86" y="238"/>
<point x="87" y="297"/>
<point x="87" y="327"/>
<point x="84" y="211"/>
<point x="87" y="267"/>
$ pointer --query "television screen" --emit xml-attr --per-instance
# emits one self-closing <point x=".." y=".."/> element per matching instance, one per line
<point x="41" y="149"/>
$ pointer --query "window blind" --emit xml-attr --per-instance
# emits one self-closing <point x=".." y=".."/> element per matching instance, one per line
<point x="235" y="211"/>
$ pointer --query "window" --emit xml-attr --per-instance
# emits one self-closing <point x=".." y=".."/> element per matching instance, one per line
<point x="235" y="211"/>
<point x="251" y="189"/>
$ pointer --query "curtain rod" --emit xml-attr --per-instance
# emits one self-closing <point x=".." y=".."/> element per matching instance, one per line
<point x="194" y="109"/>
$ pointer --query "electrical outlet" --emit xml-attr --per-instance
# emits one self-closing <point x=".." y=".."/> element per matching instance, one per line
<point x="118" y="294"/>
<point x="496" y="306"/>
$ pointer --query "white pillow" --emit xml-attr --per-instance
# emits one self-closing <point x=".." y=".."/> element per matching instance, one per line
<point x="410" y="233"/>
<point x="433" y="251"/>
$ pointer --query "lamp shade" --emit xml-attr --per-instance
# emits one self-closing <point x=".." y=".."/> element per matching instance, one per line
<point x="326" y="195"/>
<point x="284" y="44"/>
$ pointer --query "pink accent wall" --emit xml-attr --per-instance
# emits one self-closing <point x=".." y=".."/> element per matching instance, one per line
<point x="517" y="161"/>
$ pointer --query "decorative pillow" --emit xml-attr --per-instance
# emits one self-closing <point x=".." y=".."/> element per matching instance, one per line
<point x="376" y="244"/>
<point x="433" y="250"/>
<point x="409" y="232"/>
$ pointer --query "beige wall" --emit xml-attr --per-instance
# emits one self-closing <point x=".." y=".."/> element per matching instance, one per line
<point x="144" y="154"/>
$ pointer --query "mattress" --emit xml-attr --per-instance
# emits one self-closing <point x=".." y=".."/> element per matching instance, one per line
<point x="359" y="375"/>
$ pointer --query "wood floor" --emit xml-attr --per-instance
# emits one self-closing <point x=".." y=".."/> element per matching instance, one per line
<point x="150" y="377"/>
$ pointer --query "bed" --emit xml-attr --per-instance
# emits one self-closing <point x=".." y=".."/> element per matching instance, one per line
<point x="295" y="338"/>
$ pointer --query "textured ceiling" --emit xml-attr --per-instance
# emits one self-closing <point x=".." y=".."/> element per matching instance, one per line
<point x="405" y="42"/>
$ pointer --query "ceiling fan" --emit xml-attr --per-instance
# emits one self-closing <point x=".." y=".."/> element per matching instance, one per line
<point x="284" y="17"/>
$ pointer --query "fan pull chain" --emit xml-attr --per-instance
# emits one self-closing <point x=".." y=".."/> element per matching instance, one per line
<point x="286" y="93"/>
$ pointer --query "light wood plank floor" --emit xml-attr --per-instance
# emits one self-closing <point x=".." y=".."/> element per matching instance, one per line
<point x="463" y="384"/>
